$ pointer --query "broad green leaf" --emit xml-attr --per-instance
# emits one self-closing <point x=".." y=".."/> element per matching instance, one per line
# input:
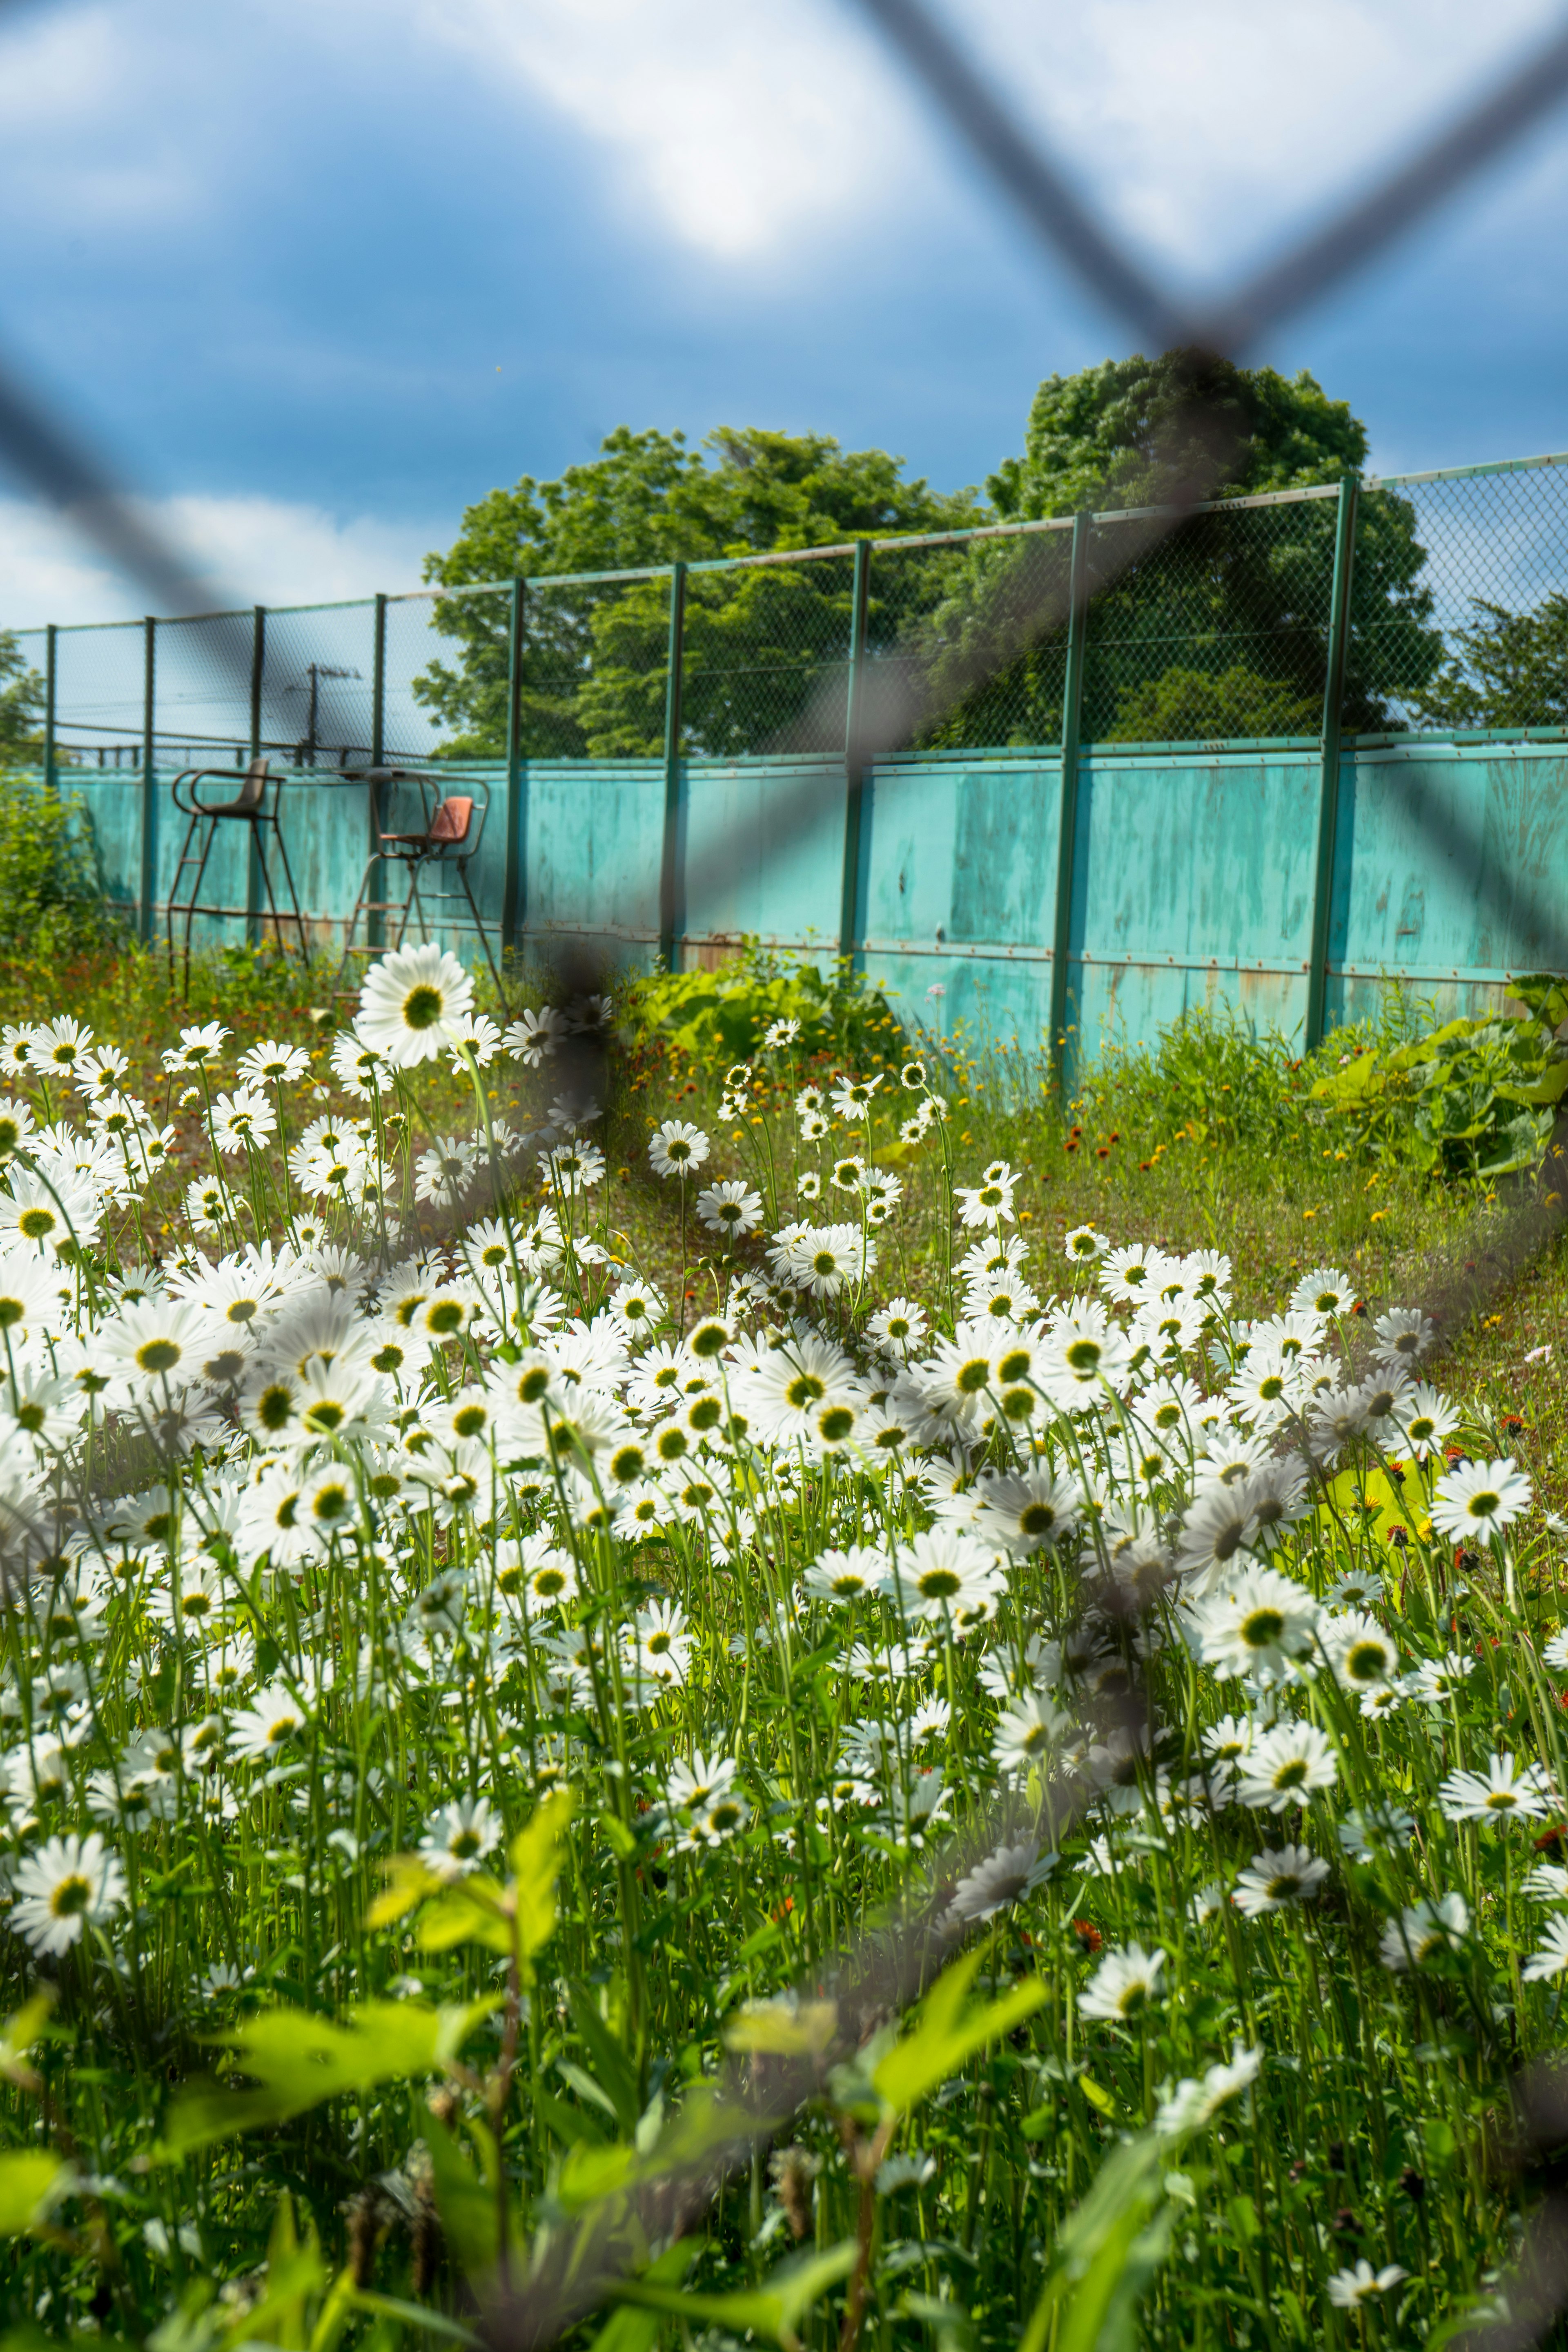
<point x="591" y="2172"/>
<point x="614" y="2076"/>
<point x="416" y="2315"/>
<point x="784" y="2029"/>
<point x="475" y="1911"/>
<point x="467" y="2206"/>
<point x="297" y="2061"/>
<point x="947" y="2036"/>
<point x="1104" y="2258"/>
<point x="408" y="1882"/>
<point x="18" y="2035"/>
<point x="630" y="2329"/>
<point x="536" y="1865"/>
<point x="771" y="2310"/>
<point x="30" y="2179"/>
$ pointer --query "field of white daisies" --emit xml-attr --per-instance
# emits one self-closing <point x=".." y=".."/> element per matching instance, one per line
<point x="466" y="1696"/>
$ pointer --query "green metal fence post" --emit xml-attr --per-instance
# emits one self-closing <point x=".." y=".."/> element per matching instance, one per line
<point x="51" y="636"/>
<point x="854" y="765"/>
<point x="1329" y="762"/>
<point x="375" y="923"/>
<point x="253" y="846"/>
<point x="512" y="906"/>
<point x="1067" y="805"/>
<point x="671" y="911"/>
<point x="149" y="780"/>
<point x="378" y="688"/>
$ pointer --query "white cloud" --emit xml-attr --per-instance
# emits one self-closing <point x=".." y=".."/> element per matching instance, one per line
<point x="749" y="124"/>
<point x="755" y="130"/>
<point x="265" y="551"/>
<point x="742" y="121"/>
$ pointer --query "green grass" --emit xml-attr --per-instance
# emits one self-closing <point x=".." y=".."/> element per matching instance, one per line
<point x="462" y="1628"/>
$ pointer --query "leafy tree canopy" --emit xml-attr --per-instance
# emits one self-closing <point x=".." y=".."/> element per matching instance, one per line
<point x="1239" y="598"/>
<point x="758" y="643"/>
<point x="1510" y="669"/>
<point x="1129" y="432"/>
<point x="648" y="497"/>
<point x="1220" y="629"/>
<point x="21" y="703"/>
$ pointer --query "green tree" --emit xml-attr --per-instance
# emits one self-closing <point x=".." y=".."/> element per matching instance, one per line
<point x="764" y="647"/>
<point x="1241" y="597"/>
<point x="1510" y="669"/>
<point x="21" y="704"/>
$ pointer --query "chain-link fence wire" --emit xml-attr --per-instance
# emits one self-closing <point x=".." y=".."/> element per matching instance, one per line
<point x="1219" y="631"/>
<point x="966" y="633"/>
<point x="200" y="720"/>
<point x="101" y="695"/>
<point x="765" y="655"/>
<point x="446" y="657"/>
<point x="1460" y="605"/>
<point x="319" y="684"/>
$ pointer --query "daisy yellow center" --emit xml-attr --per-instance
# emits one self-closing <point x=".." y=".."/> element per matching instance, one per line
<point x="836" y="1423"/>
<point x="1484" y="1506"/>
<point x="36" y="1222"/>
<point x="1037" y="1518"/>
<point x="71" y="1896"/>
<point x="1291" y="1775"/>
<point x="1366" y="1661"/>
<point x="1084" y="1355"/>
<point x="158" y="1356"/>
<point x="973" y="1376"/>
<point x="1262" y="1628"/>
<point x="939" y="1584"/>
<point x="422" y="1007"/>
<point x="463" y="1844"/>
<point x="804" y="1389"/>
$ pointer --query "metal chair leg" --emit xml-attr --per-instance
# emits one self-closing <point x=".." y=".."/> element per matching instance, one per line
<point x="462" y="865"/>
<point x="293" y="898"/>
<point x="191" y="907"/>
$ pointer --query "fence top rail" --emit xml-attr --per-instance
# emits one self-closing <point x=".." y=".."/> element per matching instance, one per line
<point x="1465" y="473"/>
<point x="892" y="542"/>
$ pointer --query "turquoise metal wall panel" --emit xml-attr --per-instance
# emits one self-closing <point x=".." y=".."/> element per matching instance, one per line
<point x="960" y="885"/>
<point x="1193" y="884"/>
<point x="1450" y="872"/>
<point x="762" y="850"/>
<point x="594" y="829"/>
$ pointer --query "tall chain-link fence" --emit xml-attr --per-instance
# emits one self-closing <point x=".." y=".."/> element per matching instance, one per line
<point x="1216" y="631"/>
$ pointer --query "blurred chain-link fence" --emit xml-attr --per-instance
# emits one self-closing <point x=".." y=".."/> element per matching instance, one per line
<point x="1217" y="630"/>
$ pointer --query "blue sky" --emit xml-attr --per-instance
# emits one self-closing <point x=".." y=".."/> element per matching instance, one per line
<point x="317" y="277"/>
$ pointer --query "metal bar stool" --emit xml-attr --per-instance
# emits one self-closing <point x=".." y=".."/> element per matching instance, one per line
<point x="448" y="836"/>
<point x="249" y="807"/>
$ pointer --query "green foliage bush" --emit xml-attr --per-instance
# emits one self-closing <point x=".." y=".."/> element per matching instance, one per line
<point x="51" y="892"/>
<point x="720" y="1017"/>
<point x="1471" y="1098"/>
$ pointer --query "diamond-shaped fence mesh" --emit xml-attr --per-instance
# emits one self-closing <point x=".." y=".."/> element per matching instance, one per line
<point x="445" y="680"/>
<point x="595" y="657"/>
<point x="967" y="635"/>
<point x="1219" y="632"/>
<point x="201" y="710"/>
<point x="765" y="655"/>
<point x="1460" y="608"/>
<point x="100" y="694"/>
<point x="318" y="675"/>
